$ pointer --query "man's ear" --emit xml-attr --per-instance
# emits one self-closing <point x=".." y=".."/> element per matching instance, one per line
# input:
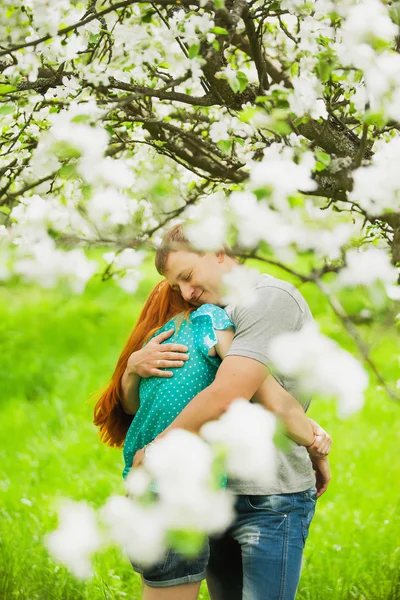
<point x="220" y="256"/>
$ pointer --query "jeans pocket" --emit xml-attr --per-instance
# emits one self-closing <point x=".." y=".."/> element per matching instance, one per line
<point x="309" y="504"/>
<point x="279" y="504"/>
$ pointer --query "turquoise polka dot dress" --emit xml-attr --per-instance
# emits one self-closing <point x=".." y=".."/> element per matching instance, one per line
<point x="162" y="399"/>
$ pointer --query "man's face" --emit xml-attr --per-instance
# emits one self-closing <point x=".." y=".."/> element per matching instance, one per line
<point x="198" y="277"/>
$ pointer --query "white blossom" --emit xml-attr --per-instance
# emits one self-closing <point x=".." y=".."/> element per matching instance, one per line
<point x="377" y="187"/>
<point x="246" y="431"/>
<point x="364" y="267"/>
<point x="139" y="529"/>
<point x="207" y="226"/>
<point x="320" y="366"/>
<point x="76" y="538"/>
<point x="306" y="97"/>
<point x="280" y="175"/>
<point x="240" y="286"/>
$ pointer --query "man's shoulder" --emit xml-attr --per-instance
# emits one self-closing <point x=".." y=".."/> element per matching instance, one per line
<point x="272" y="293"/>
<point x="273" y="289"/>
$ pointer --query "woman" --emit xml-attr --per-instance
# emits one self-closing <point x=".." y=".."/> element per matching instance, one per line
<point x="207" y="332"/>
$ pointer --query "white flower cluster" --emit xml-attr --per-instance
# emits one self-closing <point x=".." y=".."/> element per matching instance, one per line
<point x="321" y="367"/>
<point x="239" y="286"/>
<point x="377" y="186"/>
<point x="128" y="261"/>
<point x="280" y="175"/>
<point x="189" y="497"/>
<point x="207" y="226"/>
<point x="365" y="267"/>
<point x="76" y="539"/>
<point x="365" y="40"/>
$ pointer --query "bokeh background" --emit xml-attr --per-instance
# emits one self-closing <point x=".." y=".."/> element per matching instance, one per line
<point x="58" y="349"/>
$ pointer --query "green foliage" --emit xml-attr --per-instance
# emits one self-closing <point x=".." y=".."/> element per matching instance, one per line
<point x="57" y="349"/>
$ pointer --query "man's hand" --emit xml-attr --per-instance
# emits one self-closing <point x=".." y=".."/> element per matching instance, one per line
<point x="155" y="356"/>
<point x="322" y="474"/>
<point x="322" y="444"/>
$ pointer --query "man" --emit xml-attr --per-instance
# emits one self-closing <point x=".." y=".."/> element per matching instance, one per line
<point x="259" y="558"/>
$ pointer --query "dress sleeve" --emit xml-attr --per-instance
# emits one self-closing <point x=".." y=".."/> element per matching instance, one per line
<point x="206" y="320"/>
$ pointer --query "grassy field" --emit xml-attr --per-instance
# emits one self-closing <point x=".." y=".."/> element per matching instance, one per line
<point x="57" y="349"/>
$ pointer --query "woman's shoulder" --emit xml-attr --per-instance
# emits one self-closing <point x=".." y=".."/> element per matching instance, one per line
<point x="214" y="314"/>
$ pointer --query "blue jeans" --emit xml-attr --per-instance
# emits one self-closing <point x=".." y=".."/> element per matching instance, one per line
<point x="259" y="557"/>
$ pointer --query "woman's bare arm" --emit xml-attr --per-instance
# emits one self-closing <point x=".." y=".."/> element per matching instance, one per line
<point x="129" y="397"/>
<point x="276" y="399"/>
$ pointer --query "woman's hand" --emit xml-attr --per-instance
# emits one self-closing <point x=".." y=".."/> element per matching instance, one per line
<point x="155" y="356"/>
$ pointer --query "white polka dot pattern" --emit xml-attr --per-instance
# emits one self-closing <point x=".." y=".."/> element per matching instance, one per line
<point x="162" y="399"/>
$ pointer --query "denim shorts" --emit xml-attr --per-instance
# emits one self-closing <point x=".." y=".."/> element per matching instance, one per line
<point x="175" y="569"/>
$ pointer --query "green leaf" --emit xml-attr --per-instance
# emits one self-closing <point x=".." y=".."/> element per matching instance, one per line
<point x="186" y="541"/>
<point x="146" y="18"/>
<point x="10" y="11"/>
<point x="5" y="209"/>
<point x="65" y="151"/>
<point x="374" y="118"/>
<point x="80" y="119"/>
<point x="219" y="31"/>
<point x="261" y="99"/>
<point x="234" y="85"/>
<point x="194" y="50"/>
<point x="216" y="45"/>
<point x="323" y="158"/>
<point x="68" y="172"/>
<point x="219" y="4"/>
<point x="264" y="192"/>
<point x="7" y="109"/>
<point x="225" y="145"/>
<point x="93" y="38"/>
<point x="243" y="81"/>
<point x="6" y="89"/>
<point x="247" y="114"/>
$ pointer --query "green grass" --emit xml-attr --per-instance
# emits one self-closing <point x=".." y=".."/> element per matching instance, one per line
<point x="57" y="349"/>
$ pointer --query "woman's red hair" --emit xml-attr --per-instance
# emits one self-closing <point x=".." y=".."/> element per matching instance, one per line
<point x="162" y="304"/>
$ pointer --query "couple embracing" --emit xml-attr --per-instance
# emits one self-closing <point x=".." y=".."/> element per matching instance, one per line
<point x="218" y="353"/>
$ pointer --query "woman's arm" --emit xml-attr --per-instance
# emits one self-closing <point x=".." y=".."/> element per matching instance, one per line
<point x="225" y="337"/>
<point x="129" y="397"/>
<point x="276" y="399"/>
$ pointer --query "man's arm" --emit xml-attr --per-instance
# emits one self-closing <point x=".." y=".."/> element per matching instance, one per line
<point x="237" y="377"/>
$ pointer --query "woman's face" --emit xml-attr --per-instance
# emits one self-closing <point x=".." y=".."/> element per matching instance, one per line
<point x="198" y="277"/>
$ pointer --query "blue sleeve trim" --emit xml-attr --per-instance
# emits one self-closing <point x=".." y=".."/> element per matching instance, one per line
<point x="218" y="316"/>
<point x="207" y="319"/>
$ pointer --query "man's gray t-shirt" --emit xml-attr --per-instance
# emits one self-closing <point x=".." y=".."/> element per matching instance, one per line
<point x="279" y="308"/>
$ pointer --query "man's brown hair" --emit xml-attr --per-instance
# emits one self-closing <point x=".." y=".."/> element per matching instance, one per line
<point x="176" y="239"/>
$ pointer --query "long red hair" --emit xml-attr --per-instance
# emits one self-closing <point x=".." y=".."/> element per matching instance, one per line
<point x="162" y="304"/>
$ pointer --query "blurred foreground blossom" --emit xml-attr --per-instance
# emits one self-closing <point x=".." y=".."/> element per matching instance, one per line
<point x="47" y="264"/>
<point x="366" y="267"/>
<point x="208" y="227"/>
<point x="139" y="530"/>
<point x="76" y="538"/>
<point x="321" y="366"/>
<point x="246" y="432"/>
<point x="240" y="284"/>
<point x="181" y="464"/>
